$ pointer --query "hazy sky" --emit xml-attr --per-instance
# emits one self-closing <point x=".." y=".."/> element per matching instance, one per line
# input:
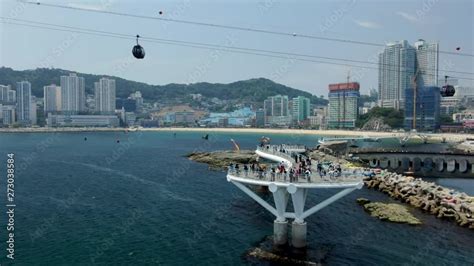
<point x="449" y="22"/>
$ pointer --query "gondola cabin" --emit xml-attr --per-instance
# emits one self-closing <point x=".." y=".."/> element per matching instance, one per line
<point x="447" y="91"/>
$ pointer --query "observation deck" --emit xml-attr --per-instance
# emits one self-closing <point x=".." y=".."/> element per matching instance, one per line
<point x="293" y="175"/>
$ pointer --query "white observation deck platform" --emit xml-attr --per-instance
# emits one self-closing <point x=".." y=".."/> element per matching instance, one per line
<point x="283" y="185"/>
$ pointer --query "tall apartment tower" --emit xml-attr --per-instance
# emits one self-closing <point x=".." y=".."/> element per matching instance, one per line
<point x="23" y="102"/>
<point x="396" y="68"/>
<point x="105" y="96"/>
<point x="343" y="105"/>
<point x="427" y="56"/>
<point x="398" y="64"/>
<point x="73" y="96"/>
<point x="33" y="111"/>
<point x="52" y="98"/>
<point x="300" y="109"/>
<point x="276" y="105"/>
<point x="7" y="95"/>
<point x="276" y="110"/>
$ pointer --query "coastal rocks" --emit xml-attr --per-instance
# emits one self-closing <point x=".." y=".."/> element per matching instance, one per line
<point x="219" y="160"/>
<point x="391" y="212"/>
<point x="427" y="196"/>
<point x="275" y="258"/>
<point x="376" y="124"/>
<point x="362" y="201"/>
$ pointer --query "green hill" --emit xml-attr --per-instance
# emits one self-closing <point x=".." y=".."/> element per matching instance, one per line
<point x="246" y="91"/>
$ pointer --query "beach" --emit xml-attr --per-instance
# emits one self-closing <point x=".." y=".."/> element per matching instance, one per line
<point x="263" y="131"/>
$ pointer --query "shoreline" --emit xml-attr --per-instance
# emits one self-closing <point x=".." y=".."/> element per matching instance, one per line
<point x="330" y="133"/>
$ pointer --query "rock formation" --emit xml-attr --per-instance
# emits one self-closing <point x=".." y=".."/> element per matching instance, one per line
<point x="391" y="212"/>
<point x="428" y="196"/>
<point x="219" y="160"/>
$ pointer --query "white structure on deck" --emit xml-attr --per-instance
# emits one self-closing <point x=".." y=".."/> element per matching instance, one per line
<point x="282" y="188"/>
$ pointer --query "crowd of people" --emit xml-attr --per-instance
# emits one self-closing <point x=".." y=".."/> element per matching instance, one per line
<point x="299" y="170"/>
<point x="273" y="172"/>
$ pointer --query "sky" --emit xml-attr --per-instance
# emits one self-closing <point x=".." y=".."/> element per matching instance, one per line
<point x="449" y="22"/>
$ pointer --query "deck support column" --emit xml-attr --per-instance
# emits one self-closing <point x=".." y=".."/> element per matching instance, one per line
<point x="280" y="232"/>
<point x="298" y="227"/>
<point x="280" y="225"/>
<point x="298" y="234"/>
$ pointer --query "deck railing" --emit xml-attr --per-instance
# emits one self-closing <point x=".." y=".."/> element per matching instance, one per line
<point x="269" y="175"/>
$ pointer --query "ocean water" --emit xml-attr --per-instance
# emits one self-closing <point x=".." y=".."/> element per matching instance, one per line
<point x="141" y="202"/>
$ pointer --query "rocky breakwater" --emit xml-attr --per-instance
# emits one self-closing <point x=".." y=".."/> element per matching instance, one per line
<point x="219" y="160"/>
<point x="428" y="196"/>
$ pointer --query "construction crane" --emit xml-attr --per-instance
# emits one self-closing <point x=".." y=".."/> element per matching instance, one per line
<point x="413" y="82"/>
<point x="344" y="99"/>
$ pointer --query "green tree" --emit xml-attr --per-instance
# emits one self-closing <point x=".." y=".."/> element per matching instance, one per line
<point x="392" y="117"/>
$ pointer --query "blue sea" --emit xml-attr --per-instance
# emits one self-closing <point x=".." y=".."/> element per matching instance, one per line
<point x="135" y="199"/>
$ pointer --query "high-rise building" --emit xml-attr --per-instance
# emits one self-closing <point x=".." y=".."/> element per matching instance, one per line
<point x="276" y="105"/>
<point x="8" y="114"/>
<point x="396" y="68"/>
<point x="23" y="102"/>
<point x="11" y="96"/>
<point x="343" y="105"/>
<point x="33" y="113"/>
<point x="4" y="92"/>
<point x="260" y="118"/>
<point x="7" y="95"/>
<point x="427" y="108"/>
<point x="276" y="110"/>
<point x="398" y="65"/>
<point x="72" y="94"/>
<point x="105" y="96"/>
<point x="300" y="109"/>
<point x="52" y="98"/>
<point x="137" y="96"/>
<point x="427" y="63"/>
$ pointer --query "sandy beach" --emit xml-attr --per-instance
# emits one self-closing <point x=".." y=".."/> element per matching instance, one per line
<point x="263" y="131"/>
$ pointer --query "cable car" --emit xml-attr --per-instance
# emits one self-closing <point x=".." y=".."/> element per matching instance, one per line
<point x="447" y="90"/>
<point x="138" y="51"/>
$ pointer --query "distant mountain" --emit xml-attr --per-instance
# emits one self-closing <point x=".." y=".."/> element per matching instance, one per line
<point x="245" y="91"/>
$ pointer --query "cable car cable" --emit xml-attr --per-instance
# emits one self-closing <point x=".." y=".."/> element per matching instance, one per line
<point x="207" y="47"/>
<point x="226" y="47"/>
<point x="38" y="3"/>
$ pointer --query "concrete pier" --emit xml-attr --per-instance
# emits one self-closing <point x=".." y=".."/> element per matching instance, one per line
<point x="280" y="232"/>
<point x="298" y="234"/>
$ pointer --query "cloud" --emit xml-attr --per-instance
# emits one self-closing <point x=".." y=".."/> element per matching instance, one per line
<point x="367" y="24"/>
<point x="407" y="16"/>
<point x="88" y="6"/>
